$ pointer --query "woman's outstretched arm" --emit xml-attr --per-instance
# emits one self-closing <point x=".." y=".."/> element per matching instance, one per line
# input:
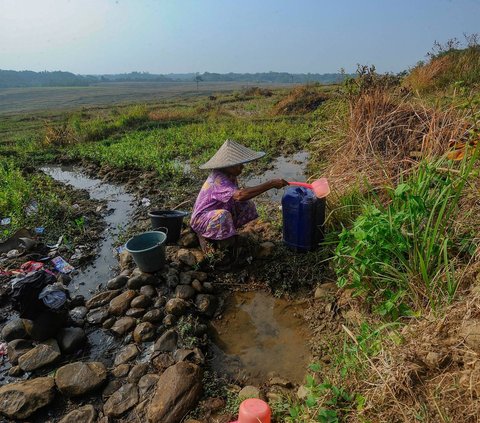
<point x="249" y="193"/>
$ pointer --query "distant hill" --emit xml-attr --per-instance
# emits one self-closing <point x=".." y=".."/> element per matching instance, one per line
<point x="10" y="78"/>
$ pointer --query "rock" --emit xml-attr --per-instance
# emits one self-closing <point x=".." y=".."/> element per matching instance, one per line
<point x="265" y="249"/>
<point x="121" y="370"/>
<point x="15" y="371"/>
<point x="186" y="257"/>
<point x="78" y="314"/>
<point x="176" y="306"/>
<point x="149" y="291"/>
<point x="302" y="392"/>
<point x="112" y="387"/>
<point x="169" y="320"/>
<point x="279" y="381"/>
<point x="146" y="383"/>
<point x="40" y="356"/>
<point x="139" y="280"/>
<point x="194" y="356"/>
<point x="101" y="299"/>
<point x="163" y="361"/>
<point x="116" y="283"/>
<point x="274" y="396"/>
<point x="125" y="259"/>
<point x="121" y="401"/>
<point x="14" y="329"/>
<point x="97" y="316"/>
<point x="201" y="276"/>
<point x="85" y="414"/>
<point x="137" y="372"/>
<point x="120" y="304"/>
<point x="160" y="302"/>
<point x="249" y="392"/>
<point x="126" y="354"/>
<point x="470" y="331"/>
<point x="20" y="400"/>
<point x="206" y="304"/>
<point x="153" y="316"/>
<point x="185" y="278"/>
<point x="77" y="379"/>
<point x="325" y="290"/>
<point x="77" y="301"/>
<point x="178" y="390"/>
<point x="46" y="325"/>
<point x="212" y="405"/>
<point x="135" y="312"/>
<point x="142" y="301"/>
<point x="144" y="332"/>
<point x="208" y="287"/>
<point x="107" y="324"/>
<point x="188" y="240"/>
<point x="197" y="285"/>
<point x="185" y="292"/>
<point x="71" y="339"/>
<point x="433" y="360"/>
<point x="17" y="348"/>
<point x="123" y="325"/>
<point x="172" y="281"/>
<point x="167" y="342"/>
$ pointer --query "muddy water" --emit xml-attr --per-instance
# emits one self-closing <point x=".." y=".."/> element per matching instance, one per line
<point x="259" y="334"/>
<point x="120" y="206"/>
<point x="290" y="168"/>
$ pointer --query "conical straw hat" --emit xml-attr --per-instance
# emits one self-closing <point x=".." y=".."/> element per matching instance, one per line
<point x="231" y="153"/>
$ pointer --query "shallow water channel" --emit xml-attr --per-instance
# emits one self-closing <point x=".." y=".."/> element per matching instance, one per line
<point x="120" y="206"/>
<point x="260" y="334"/>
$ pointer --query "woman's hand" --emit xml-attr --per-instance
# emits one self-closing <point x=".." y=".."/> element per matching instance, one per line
<point x="278" y="183"/>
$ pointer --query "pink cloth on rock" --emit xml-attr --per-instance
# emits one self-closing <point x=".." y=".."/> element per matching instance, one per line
<point x="216" y="215"/>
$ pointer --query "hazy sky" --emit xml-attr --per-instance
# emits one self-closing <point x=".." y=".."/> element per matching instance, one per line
<point x="162" y="36"/>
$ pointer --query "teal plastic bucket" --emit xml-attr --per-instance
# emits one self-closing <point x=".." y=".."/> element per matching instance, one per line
<point x="148" y="250"/>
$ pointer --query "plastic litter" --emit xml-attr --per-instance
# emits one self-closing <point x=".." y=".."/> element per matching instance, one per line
<point x="3" y="350"/>
<point x="6" y="221"/>
<point x="145" y="202"/>
<point x="31" y="266"/>
<point x="59" y="242"/>
<point x="61" y="265"/>
<point x="32" y="208"/>
<point x="40" y="230"/>
<point x="13" y="254"/>
<point x="53" y="296"/>
<point x="254" y="410"/>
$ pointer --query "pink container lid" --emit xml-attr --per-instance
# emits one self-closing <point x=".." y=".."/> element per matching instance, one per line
<point x="254" y="410"/>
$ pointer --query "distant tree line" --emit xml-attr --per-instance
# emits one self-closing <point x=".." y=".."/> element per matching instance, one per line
<point x="9" y="78"/>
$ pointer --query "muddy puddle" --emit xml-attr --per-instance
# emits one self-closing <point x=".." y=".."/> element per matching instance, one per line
<point x="120" y="206"/>
<point x="290" y="168"/>
<point x="260" y="334"/>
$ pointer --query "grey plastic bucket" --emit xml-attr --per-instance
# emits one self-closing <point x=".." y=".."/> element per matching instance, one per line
<point x="170" y="219"/>
<point x="148" y="250"/>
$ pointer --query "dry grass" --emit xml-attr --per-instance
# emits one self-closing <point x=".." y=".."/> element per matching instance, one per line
<point x="434" y="374"/>
<point x="385" y="137"/>
<point x="301" y="99"/>
<point x="258" y="92"/>
<point x="59" y="135"/>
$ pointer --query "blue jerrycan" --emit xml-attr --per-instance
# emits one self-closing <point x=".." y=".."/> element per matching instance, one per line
<point x="303" y="219"/>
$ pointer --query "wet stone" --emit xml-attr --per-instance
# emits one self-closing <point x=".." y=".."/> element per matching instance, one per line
<point x="79" y="378"/>
<point x="85" y="414"/>
<point x="121" y="401"/>
<point x="116" y="283"/>
<point x="160" y="302"/>
<point x="123" y="325"/>
<point x="186" y="257"/>
<point x="208" y="287"/>
<point x="97" y="316"/>
<point x="144" y="332"/>
<point x="121" y="370"/>
<point x="78" y="314"/>
<point x="169" y="320"/>
<point x="111" y="387"/>
<point x="15" y="371"/>
<point x="120" y="304"/>
<point x="167" y="342"/>
<point x="147" y="383"/>
<point x="101" y="299"/>
<point x="17" y="348"/>
<point x="163" y="361"/>
<point x="149" y="291"/>
<point x="201" y="276"/>
<point x="185" y="292"/>
<point x="71" y="339"/>
<point x="206" y="304"/>
<point x="14" y="329"/>
<point x="142" y="301"/>
<point x="176" y="306"/>
<point x="153" y="316"/>
<point x="135" y="312"/>
<point x="137" y="281"/>
<point x="197" y="285"/>
<point x="40" y="356"/>
<point x="137" y="372"/>
<point x="107" y="324"/>
<point x="126" y="354"/>
<point x="172" y="281"/>
<point x="185" y="278"/>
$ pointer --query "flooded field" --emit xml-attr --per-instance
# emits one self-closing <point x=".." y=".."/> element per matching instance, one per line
<point x="259" y="334"/>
